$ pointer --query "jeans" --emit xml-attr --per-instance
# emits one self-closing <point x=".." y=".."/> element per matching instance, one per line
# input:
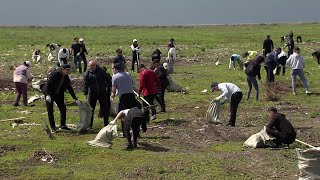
<point x="62" y="107"/>
<point x="77" y="62"/>
<point x="300" y="73"/>
<point x="22" y="89"/>
<point x="252" y="80"/>
<point x="235" y="100"/>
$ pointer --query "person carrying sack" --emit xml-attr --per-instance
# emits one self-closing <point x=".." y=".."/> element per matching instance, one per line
<point x="53" y="89"/>
<point x="97" y="86"/>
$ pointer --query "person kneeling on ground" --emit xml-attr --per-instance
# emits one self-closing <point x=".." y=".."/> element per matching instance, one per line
<point x="132" y="119"/>
<point x="280" y="128"/>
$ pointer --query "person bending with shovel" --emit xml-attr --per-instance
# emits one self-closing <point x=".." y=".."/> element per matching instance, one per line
<point x="231" y="91"/>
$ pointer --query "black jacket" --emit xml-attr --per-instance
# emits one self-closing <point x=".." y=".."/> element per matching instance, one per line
<point x="161" y="72"/>
<point x="84" y="50"/>
<point x="98" y="82"/>
<point x="253" y="67"/>
<point x="268" y="45"/>
<point x="281" y="124"/>
<point x="156" y="55"/>
<point x="57" y="84"/>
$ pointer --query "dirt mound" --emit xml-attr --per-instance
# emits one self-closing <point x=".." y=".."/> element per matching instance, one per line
<point x="5" y="149"/>
<point x="42" y="156"/>
<point x="274" y="90"/>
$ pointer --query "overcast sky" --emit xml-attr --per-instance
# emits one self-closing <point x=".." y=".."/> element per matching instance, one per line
<point x="152" y="12"/>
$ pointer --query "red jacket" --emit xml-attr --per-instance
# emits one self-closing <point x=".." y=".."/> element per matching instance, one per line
<point x="149" y="82"/>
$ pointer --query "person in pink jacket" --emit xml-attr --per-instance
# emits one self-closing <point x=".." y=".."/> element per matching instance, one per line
<point x="22" y="75"/>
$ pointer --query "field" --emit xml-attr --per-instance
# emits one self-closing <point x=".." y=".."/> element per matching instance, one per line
<point x="182" y="144"/>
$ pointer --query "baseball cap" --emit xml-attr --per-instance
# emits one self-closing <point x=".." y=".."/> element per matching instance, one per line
<point x="213" y="84"/>
<point x="81" y="39"/>
<point x="66" y="66"/>
<point x="28" y="63"/>
<point x="134" y="40"/>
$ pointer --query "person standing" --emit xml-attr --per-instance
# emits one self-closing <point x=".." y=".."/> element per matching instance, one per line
<point x="162" y="74"/>
<point x="290" y="45"/>
<point x="270" y="64"/>
<point x="172" y="56"/>
<point x="280" y="128"/>
<point x="233" y="59"/>
<point x="267" y="45"/>
<point x="282" y="58"/>
<point x="22" y="75"/>
<point x="135" y="54"/>
<point x="149" y="82"/>
<point x="233" y="92"/>
<point x="76" y="50"/>
<point x="297" y="63"/>
<point x="120" y="59"/>
<point x="83" y="54"/>
<point x="132" y="118"/>
<point x="97" y="86"/>
<point x="253" y="70"/>
<point x="171" y="44"/>
<point x="63" y="57"/>
<point x="54" y="88"/>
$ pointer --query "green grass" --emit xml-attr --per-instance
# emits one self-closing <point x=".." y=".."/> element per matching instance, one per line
<point x="179" y="151"/>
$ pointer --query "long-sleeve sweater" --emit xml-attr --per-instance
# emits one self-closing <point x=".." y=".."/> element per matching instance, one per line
<point x="295" y="61"/>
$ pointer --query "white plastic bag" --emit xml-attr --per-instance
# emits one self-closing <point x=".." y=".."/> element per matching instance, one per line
<point x="105" y="136"/>
<point x="213" y="112"/>
<point x="309" y="163"/>
<point x="85" y="111"/>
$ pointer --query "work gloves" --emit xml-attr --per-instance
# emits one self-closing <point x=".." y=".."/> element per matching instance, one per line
<point x="48" y="98"/>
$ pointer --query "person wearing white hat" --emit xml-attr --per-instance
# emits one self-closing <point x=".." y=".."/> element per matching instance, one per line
<point x="135" y="54"/>
<point x="83" y="54"/>
<point x="22" y="75"/>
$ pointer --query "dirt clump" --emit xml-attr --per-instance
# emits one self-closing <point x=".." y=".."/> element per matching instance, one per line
<point x="5" y="149"/>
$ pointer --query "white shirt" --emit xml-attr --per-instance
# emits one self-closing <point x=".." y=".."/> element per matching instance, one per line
<point x="137" y="49"/>
<point x="125" y="112"/>
<point x="282" y="54"/>
<point x="295" y="61"/>
<point x="172" y="53"/>
<point x="227" y="90"/>
<point x="61" y="54"/>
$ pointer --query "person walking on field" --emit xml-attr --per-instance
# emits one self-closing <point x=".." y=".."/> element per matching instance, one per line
<point x="76" y="50"/>
<point x="231" y="91"/>
<point x="253" y="70"/>
<point x="149" y="83"/>
<point x="267" y="45"/>
<point x="120" y="59"/>
<point x="83" y="54"/>
<point x="135" y="54"/>
<point x="280" y="128"/>
<point x="22" y="75"/>
<point x="297" y="63"/>
<point x="54" y="88"/>
<point x="97" y="86"/>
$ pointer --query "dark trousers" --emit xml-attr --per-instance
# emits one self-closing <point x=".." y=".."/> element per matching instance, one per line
<point x="64" y="61"/>
<point x="84" y="59"/>
<point x="251" y="80"/>
<point x="135" y="59"/>
<point x="77" y="62"/>
<point x="282" y="137"/>
<point x="160" y="99"/>
<point x="62" y="107"/>
<point x="149" y="99"/>
<point x="22" y="89"/>
<point x="104" y="102"/>
<point x="235" y="100"/>
<point x="282" y="61"/>
<point x="135" y="126"/>
<point x="269" y="72"/>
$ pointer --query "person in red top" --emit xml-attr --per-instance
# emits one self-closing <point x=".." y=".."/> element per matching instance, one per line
<point x="149" y="83"/>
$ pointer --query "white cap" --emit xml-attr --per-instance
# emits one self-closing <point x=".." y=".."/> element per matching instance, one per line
<point x="28" y="63"/>
<point x="81" y="39"/>
<point x="165" y="65"/>
<point x="135" y="40"/>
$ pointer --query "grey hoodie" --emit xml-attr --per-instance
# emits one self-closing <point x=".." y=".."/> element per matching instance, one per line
<point x="295" y="61"/>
